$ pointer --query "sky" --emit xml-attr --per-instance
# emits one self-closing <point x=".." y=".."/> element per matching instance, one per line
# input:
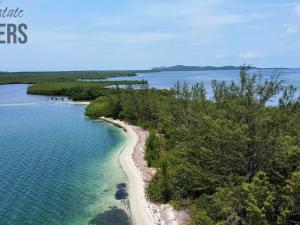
<point x="141" y="34"/>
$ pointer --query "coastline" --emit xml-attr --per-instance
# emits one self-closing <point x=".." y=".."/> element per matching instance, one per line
<point x="80" y="103"/>
<point x="131" y="159"/>
<point x="138" y="174"/>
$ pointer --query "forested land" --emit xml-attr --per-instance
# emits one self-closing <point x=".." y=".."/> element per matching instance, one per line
<point x="78" y="90"/>
<point x="231" y="158"/>
<point x="58" y="76"/>
<point x="197" y="68"/>
<point x="68" y="84"/>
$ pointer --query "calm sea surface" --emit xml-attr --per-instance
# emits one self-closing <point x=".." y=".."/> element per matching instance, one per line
<point x="165" y="80"/>
<point x="56" y="166"/>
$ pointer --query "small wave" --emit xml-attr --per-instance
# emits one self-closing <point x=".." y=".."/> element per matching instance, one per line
<point x="17" y="104"/>
<point x="77" y="103"/>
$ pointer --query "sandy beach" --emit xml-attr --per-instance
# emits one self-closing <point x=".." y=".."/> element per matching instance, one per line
<point x="138" y="174"/>
<point x="79" y="103"/>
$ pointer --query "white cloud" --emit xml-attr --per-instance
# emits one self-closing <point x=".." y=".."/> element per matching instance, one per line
<point x="191" y="20"/>
<point x="191" y="14"/>
<point x="290" y="29"/>
<point x="252" y="55"/>
<point x="297" y="9"/>
<point x="179" y="14"/>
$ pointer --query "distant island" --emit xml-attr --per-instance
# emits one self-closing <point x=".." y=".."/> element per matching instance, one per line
<point x="197" y="68"/>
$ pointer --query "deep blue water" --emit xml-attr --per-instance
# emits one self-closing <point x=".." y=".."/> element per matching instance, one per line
<point x="165" y="80"/>
<point x="56" y="166"/>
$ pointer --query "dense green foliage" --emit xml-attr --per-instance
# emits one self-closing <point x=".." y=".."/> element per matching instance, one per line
<point x="77" y="90"/>
<point x="136" y="106"/>
<point x="153" y="148"/>
<point x="70" y="84"/>
<point x="229" y="159"/>
<point x="63" y="76"/>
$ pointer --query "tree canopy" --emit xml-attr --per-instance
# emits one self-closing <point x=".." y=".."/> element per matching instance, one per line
<point x="231" y="158"/>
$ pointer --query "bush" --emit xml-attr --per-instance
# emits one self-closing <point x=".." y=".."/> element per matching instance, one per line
<point x="153" y="145"/>
<point x="107" y="106"/>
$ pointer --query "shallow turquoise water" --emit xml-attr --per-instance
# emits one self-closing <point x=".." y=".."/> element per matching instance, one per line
<point x="56" y="166"/>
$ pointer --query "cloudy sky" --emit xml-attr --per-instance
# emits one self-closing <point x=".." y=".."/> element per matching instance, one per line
<point x="140" y="34"/>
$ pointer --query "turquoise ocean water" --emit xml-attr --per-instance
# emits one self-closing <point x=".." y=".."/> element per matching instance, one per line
<point x="56" y="166"/>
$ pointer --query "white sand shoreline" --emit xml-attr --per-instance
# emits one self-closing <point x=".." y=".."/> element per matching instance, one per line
<point x="138" y="204"/>
<point x="132" y="162"/>
<point x="78" y="103"/>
